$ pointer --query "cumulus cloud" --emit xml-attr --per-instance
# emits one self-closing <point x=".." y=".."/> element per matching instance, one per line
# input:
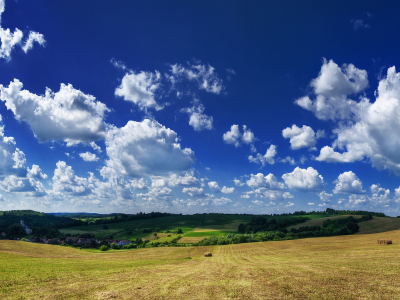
<point x="216" y="189"/>
<point x="270" y="182"/>
<point x="87" y="156"/>
<point x="67" y="115"/>
<point x="197" y="119"/>
<point x="332" y="88"/>
<point x="380" y="195"/>
<point x="205" y="76"/>
<point x="65" y="180"/>
<point x="30" y="186"/>
<point x="95" y="147"/>
<point x="288" y="159"/>
<point x="268" y="157"/>
<point x="307" y="180"/>
<point x="194" y="192"/>
<point x="188" y="179"/>
<point x="139" y="184"/>
<point x="234" y="136"/>
<point x="9" y="40"/>
<point x="140" y="88"/>
<point x="12" y="159"/>
<point x="287" y="195"/>
<point x="324" y="196"/>
<point x="348" y="183"/>
<point x="36" y="172"/>
<point x="146" y="148"/>
<point x="300" y="137"/>
<point x="375" y="134"/>
<point x="238" y="182"/>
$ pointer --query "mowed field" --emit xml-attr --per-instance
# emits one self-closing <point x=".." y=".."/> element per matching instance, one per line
<point x="343" y="267"/>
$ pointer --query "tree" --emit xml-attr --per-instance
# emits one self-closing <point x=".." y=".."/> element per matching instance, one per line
<point x="179" y="231"/>
<point x="105" y="227"/>
<point x="103" y="248"/>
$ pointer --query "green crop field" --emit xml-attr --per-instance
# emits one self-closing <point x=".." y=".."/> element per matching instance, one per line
<point x="192" y="225"/>
<point x="342" y="267"/>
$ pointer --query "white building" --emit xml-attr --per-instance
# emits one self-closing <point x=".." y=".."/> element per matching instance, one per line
<point x="27" y="229"/>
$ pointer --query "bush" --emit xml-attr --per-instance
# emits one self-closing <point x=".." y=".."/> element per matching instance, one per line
<point x="179" y="231"/>
<point x="103" y="248"/>
<point x="105" y="227"/>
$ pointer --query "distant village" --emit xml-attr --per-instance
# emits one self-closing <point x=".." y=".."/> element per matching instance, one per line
<point x="69" y="240"/>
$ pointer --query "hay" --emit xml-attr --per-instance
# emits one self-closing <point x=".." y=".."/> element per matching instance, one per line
<point x="385" y="241"/>
<point x="207" y="254"/>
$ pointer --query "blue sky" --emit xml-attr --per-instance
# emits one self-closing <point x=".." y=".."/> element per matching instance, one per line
<point x="199" y="106"/>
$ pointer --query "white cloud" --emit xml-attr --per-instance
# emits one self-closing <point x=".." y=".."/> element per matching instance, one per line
<point x="140" y="89"/>
<point x="310" y="203"/>
<point x="194" y="192"/>
<point x="300" y="137"/>
<point x="234" y="136"/>
<point x="10" y="40"/>
<point x="248" y="136"/>
<point x="348" y="183"/>
<point x="12" y="160"/>
<point x="33" y="37"/>
<point x="288" y="159"/>
<point x="331" y="89"/>
<point x="146" y="148"/>
<point x="156" y="193"/>
<point x="14" y="184"/>
<point x="36" y="172"/>
<point x="205" y="76"/>
<point x="320" y="134"/>
<point x="304" y="180"/>
<point x="227" y="190"/>
<point x="214" y="186"/>
<point x="187" y="180"/>
<point x="324" y="196"/>
<point x="287" y="195"/>
<point x="358" y="199"/>
<point x="246" y="196"/>
<point x="198" y="120"/>
<point x="270" y="182"/>
<point x="139" y="184"/>
<point x="87" y="156"/>
<point x="380" y="195"/>
<point x="95" y="147"/>
<point x="238" y="182"/>
<point x="376" y="131"/>
<point x="268" y="157"/>
<point x="67" y="115"/>
<point x="289" y="204"/>
<point x="65" y="180"/>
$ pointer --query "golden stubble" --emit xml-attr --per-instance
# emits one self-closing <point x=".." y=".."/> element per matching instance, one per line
<point x="345" y="267"/>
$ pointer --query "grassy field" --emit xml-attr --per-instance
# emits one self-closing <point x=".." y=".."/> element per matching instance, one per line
<point x="318" y="222"/>
<point x="190" y="224"/>
<point x="379" y="224"/>
<point x="344" y="267"/>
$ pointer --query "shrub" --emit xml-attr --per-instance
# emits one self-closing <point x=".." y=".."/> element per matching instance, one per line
<point x="179" y="231"/>
<point x="103" y="248"/>
<point x="105" y="227"/>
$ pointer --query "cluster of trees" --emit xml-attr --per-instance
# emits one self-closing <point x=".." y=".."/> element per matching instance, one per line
<point x="329" y="228"/>
<point x="331" y="211"/>
<point x="259" y="223"/>
<point x="116" y="218"/>
<point x="35" y="219"/>
<point x="17" y="231"/>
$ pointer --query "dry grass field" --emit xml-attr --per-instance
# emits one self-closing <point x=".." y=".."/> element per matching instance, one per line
<point x="344" y="267"/>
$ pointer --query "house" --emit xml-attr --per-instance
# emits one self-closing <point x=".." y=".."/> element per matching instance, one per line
<point x="124" y="242"/>
<point x="70" y="239"/>
<point x="26" y="228"/>
<point x="83" y="241"/>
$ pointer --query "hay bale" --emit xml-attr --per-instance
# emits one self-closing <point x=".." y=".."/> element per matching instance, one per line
<point x="385" y="241"/>
<point x="207" y="254"/>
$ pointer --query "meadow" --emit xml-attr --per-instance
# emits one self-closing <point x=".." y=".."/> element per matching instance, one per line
<point x="341" y="267"/>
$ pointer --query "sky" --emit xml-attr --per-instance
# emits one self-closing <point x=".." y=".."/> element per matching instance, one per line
<point x="199" y="106"/>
